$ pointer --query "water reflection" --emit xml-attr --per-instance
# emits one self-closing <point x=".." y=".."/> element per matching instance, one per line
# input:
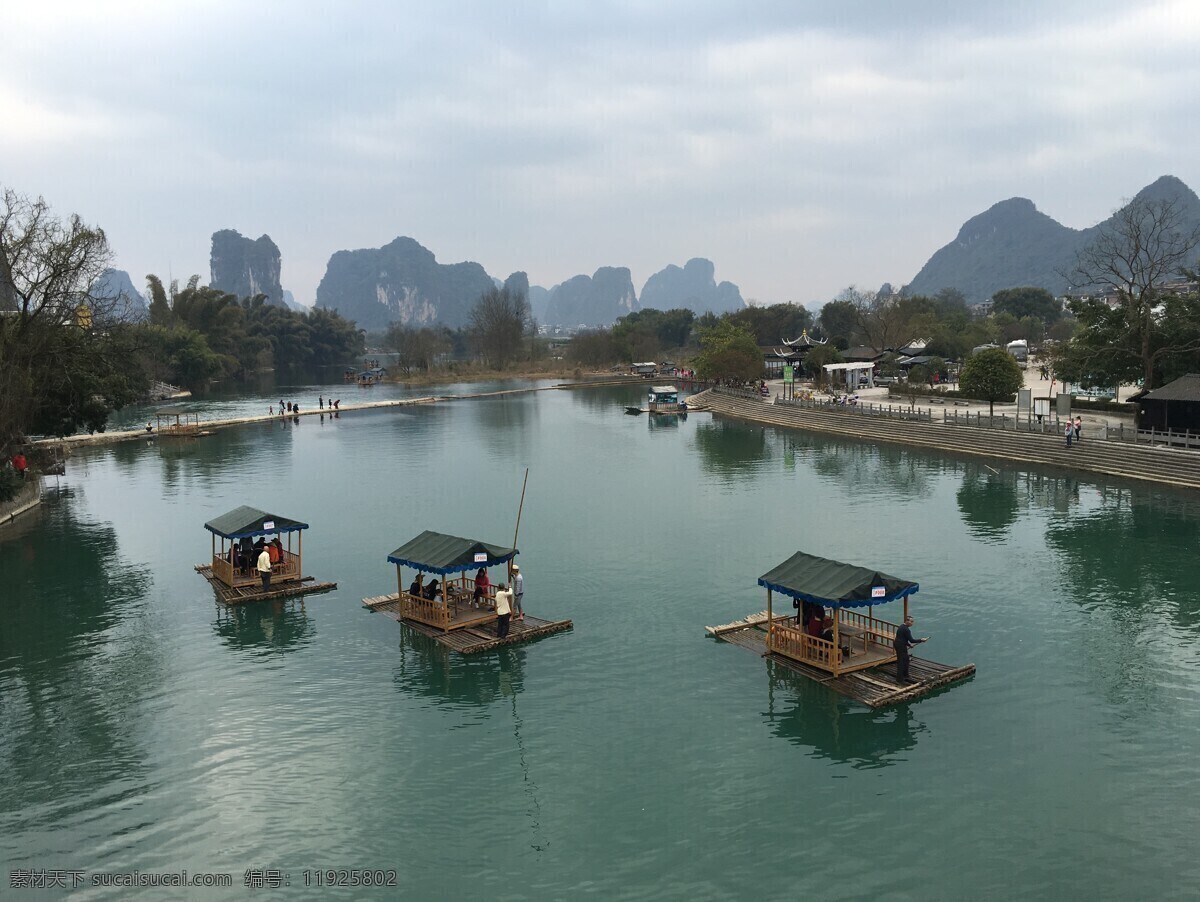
<point x="432" y="670"/>
<point x="270" y="627"/>
<point x="731" y="449"/>
<point x="74" y="661"/>
<point x="508" y="422"/>
<point x="813" y="716"/>
<point x="1133" y="555"/>
<point x="988" y="501"/>
<point x="665" y="421"/>
<point x="861" y="468"/>
<point x="185" y="459"/>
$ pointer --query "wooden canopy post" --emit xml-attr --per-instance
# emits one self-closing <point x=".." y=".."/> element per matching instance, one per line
<point x="770" y="620"/>
<point x="300" y="555"/>
<point x="905" y="607"/>
<point x="837" y="645"/>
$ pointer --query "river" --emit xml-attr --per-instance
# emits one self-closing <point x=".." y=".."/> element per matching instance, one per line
<point x="144" y="727"/>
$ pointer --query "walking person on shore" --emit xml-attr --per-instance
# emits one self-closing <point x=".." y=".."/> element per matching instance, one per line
<point x="518" y="593"/>
<point x="1078" y="427"/>
<point x="264" y="568"/>
<point x="902" y="643"/>
<point x="503" y="610"/>
<point x="321" y="401"/>
<point x="1069" y="433"/>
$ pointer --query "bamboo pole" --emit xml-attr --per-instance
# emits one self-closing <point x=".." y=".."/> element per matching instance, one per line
<point x="517" y="529"/>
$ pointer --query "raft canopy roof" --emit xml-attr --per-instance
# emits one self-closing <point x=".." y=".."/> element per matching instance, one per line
<point x="437" y="552"/>
<point x="834" y="584"/>
<point x="245" y="522"/>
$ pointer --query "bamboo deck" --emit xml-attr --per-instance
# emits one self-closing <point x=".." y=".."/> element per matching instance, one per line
<point x="472" y="639"/>
<point x="247" y="594"/>
<point x="876" y="687"/>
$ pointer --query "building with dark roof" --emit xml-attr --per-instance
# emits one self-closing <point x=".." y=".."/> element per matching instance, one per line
<point x="1175" y="406"/>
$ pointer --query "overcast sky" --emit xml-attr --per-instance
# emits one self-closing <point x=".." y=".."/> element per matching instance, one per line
<point x="802" y="147"/>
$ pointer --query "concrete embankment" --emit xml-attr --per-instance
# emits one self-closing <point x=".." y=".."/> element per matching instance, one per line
<point x="29" y="497"/>
<point x="1147" y="463"/>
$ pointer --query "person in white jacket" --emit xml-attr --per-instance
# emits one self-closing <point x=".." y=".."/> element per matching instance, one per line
<point x="503" y="609"/>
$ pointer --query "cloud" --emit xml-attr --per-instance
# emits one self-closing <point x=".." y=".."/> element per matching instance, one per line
<point x="842" y="141"/>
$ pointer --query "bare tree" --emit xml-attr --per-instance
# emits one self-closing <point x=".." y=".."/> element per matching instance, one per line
<point x="1146" y="243"/>
<point x="416" y="349"/>
<point x="498" y="324"/>
<point x="64" y="358"/>
<point x="879" y="319"/>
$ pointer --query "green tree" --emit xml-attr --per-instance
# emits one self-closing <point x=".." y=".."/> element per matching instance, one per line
<point x="817" y="358"/>
<point x="729" y="352"/>
<point x="1022" y="302"/>
<point x="837" y="323"/>
<point x="991" y="375"/>
<point x="772" y="324"/>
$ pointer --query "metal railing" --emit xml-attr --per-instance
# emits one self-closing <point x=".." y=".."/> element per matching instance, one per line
<point x="866" y="409"/>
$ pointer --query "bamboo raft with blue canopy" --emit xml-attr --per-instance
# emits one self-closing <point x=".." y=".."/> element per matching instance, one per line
<point x="853" y="654"/>
<point x="233" y="570"/>
<point x="458" y="611"/>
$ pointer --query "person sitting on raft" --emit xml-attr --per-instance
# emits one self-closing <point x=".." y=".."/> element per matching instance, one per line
<point x="414" y="587"/>
<point x="816" y="626"/>
<point x="482" y="584"/>
<point x="432" y="591"/>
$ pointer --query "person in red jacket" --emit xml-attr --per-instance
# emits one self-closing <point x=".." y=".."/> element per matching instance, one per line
<point x="20" y="464"/>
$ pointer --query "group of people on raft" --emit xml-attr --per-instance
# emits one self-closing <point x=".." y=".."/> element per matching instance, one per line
<point x="244" y="554"/>
<point x="507" y="601"/>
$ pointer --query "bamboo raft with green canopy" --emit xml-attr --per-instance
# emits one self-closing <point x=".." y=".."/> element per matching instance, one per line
<point x="458" y="610"/>
<point x="849" y="651"/>
<point x="233" y="571"/>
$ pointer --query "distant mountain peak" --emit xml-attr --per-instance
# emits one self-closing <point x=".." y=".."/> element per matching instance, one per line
<point x="1012" y="244"/>
<point x="246" y="267"/>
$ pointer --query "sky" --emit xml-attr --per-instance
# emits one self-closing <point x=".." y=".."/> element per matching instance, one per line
<point x="801" y="146"/>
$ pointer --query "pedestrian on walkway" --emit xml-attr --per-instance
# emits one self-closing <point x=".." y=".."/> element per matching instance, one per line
<point x="1078" y="428"/>
<point x="1069" y="433"/>
<point x="321" y="401"/>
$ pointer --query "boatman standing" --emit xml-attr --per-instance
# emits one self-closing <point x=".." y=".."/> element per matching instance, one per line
<point x="264" y="568"/>
<point x="518" y="593"/>
<point x="903" y="642"/>
<point x="503" y="610"/>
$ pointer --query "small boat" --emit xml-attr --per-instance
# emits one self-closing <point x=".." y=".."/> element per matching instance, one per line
<point x="855" y="654"/>
<point x="232" y="572"/>
<point x="452" y="612"/>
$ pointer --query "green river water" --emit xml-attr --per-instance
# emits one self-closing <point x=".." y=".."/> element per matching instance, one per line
<point x="144" y="727"/>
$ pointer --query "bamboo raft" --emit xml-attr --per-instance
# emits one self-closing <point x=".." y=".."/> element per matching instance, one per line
<point x="473" y="639"/>
<point x="876" y="688"/>
<point x="246" y="594"/>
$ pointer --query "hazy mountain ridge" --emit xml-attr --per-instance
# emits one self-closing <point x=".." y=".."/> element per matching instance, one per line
<point x="694" y="287"/>
<point x="115" y="289"/>
<point x="400" y="282"/>
<point x="403" y="282"/>
<point x="1013" y="244"/>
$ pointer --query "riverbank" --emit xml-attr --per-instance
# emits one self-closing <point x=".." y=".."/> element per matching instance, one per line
<point x="29" y="497"/>
<point x="1174" y="467"/>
